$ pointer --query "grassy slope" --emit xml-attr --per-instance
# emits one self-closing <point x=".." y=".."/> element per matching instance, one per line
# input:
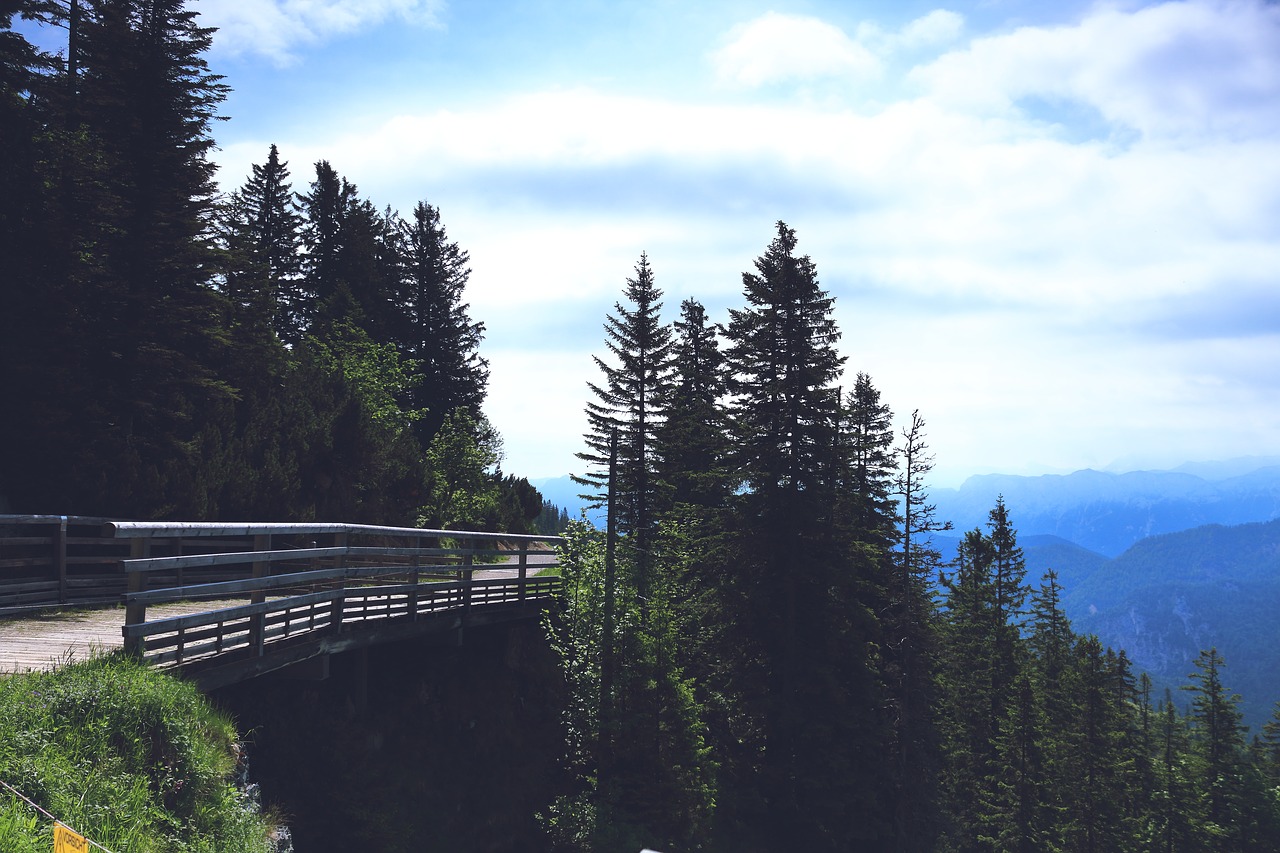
<point x="133" y="759"/>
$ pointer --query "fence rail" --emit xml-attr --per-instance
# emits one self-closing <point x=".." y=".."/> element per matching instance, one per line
<point x="263" y="583"/>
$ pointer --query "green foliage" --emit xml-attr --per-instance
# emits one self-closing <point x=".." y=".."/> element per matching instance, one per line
<point x="180" y="355"/>
<point x="644" y="773"/>
<point x="461" y="462"/>
<point x="127" y="756"/>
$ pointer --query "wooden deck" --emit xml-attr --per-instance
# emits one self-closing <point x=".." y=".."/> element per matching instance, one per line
<point x="50" y="640"/>
<point x="222" y="602"/>
<point x="43" y="642"/>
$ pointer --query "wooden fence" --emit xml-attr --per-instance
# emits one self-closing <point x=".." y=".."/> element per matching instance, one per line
<point x="51" y="560"/>
<point x="263" y="583"/>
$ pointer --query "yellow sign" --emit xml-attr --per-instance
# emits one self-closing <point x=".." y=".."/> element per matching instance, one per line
<point x="66" y="841"/>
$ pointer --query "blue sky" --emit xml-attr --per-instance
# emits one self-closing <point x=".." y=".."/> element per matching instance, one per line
<point x="1053" y="228"/>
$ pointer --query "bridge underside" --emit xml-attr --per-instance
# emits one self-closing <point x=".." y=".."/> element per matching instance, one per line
<point x="306" y="654"/>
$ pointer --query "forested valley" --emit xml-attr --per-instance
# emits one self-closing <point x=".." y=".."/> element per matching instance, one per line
<point x="762" y="650"/>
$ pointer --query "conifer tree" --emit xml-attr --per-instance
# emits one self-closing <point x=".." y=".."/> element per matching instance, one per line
<point x="131" y="248"/>
<point x="910" y="661"/>
<point x="967" y="674"/>
<point x="692" y="443"/>
<point x="870" y="470"/>
<point x="1178" y="820"/>
<point x="1008" y="571"/>
<point x="1019" y="818"/>
<point x="1091" y="780"/>
<point x="797" y="591"/>
<point x="1217" y="739"/>
<point x="325" y="207"/>
<point x="35" y="319"/>
<point x="630" y="399"/>
<point x="260" y="229"/>
<point x="434" y="328"/>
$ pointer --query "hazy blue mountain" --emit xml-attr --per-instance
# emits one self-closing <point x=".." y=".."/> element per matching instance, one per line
<point x="1107" y="512"/>
<point x="1170" y="596"/>
<point x="563" y="492"/>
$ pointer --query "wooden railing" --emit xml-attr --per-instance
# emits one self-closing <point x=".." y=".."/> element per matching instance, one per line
<point x="247" y="586"/>
<point x="290" y="589"/>
<point x="52" y="560"/>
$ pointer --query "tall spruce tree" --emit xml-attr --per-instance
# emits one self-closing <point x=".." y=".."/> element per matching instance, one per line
<point x="799" y="583"/>
<point x="434" y="328"/>
<point x="260" y="228"/>
<point x="966" y="676"/>
<point x="37" y="306"/>
<point x="129" y="246"/>
<point x="630" y="400"/>
<point x="692" y="444"/>
<point x="325" y="207"/>
<point x="910" y="666"/>
<point x="1217" y="739"/>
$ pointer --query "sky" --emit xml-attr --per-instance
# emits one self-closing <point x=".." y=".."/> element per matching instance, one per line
<point x="1052" y="228"/>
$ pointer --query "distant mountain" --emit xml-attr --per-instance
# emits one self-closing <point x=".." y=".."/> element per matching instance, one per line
<point x="1107" y="513"/>
<point x="1170" y="596"/>
<point x="563" y="492"/>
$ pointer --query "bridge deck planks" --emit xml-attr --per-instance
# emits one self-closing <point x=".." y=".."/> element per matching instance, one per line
<point x="45" y="642"/>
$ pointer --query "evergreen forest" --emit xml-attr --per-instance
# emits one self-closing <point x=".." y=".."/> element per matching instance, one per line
<point x="287" y="351"/>
<point x="762" y="650"/>
<point x="766" y="651"/>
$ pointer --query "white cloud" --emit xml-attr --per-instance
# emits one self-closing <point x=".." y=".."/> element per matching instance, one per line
<point x="1206" y="67"/>
<point x="936" y="29"/>
<point x="1032" y="290"/>
<point x="774" y="48"/>
<point x="276" y="28"/>
<point x="939" y="27"/>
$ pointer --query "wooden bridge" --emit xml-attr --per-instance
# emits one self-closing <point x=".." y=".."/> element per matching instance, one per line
<point x="226" y="602"/>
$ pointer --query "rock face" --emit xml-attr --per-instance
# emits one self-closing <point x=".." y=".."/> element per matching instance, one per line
<point x="429" y="747"/>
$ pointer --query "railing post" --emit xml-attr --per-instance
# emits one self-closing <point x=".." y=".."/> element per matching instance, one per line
<point x="135" y="613"/>
<point x="258" y="621"/>
<point x="416" y="563"/>
<point x="524" y="568"/>
<point x="340" y="541"/>
<point x="60" y="558"/>
<point x="468" y="560"/>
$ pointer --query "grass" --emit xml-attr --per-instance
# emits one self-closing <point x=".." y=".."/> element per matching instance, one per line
<point x="133" y="759"/>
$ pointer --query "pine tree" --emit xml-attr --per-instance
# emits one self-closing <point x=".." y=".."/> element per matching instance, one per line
<point x="1008" y="571"/>
<point x="1178" y="822"/>
<point x="867" y="436"/>
<point x="136" y="255"/>
<point x="630" y="400"/>
<point x="692" y="443"/>
<point x="325" y="207"/>
<point x="967" y="674"/>
<point x="799" y="585"/>
<point x="1217" y="738"/>
<point x="1019" y="819"/>
<point x="35" y="320"/>
<point x="1092" y="784"/>
<point x="910" y="652"/>
<point x="434" y="328"/>
<point x="260" y="228"/>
